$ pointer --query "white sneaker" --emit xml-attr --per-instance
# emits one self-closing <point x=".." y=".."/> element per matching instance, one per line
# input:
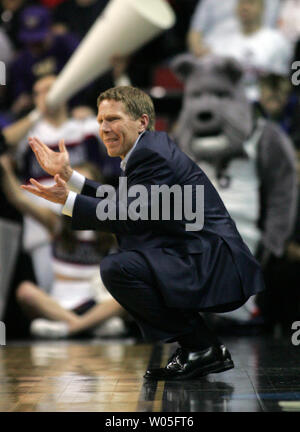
<point x="111" y="327"/>
<point x="49" y="329"/>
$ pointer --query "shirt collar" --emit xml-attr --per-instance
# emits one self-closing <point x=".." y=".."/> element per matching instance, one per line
<point x="125" y="160"/>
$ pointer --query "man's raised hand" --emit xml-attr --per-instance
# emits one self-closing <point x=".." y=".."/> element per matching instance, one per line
<point x="57" y="193"/>
<point x="52" y="162"/>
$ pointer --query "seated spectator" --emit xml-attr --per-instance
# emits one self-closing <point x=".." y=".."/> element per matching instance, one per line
<point x="259" y="49"/>
<point x="280" y="103"/>
<point x="289" y="19"/>
<point x="71" y="306"/>
<point x="45" y="54"/>
<point x="213" y="18"/>
<point x="83" y="143"/>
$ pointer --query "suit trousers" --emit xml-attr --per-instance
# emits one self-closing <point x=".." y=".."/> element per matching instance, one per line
<point x="130" y="281"/>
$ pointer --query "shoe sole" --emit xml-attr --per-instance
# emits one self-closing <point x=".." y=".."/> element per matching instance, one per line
<point x="216" y="367"/>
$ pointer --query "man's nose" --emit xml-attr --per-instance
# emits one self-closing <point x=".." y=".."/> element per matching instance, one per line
<point x="105" y="127"/>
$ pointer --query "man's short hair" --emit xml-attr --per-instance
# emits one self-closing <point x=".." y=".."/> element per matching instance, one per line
<point x="262" y="3"/>
<point x="274" y="81"/>
<point x="136" y="102"/>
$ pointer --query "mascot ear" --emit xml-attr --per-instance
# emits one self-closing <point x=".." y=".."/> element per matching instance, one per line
<point x="183" y="65"/>
<point x="233" y="70"/>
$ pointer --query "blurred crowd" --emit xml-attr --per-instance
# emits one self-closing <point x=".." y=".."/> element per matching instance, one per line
<point x="223" y="84"/>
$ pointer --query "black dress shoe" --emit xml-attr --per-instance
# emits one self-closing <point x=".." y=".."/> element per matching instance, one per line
<point x="186" y="364"/>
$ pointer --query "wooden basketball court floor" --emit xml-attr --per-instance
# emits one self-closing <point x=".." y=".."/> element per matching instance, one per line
<point x="107" y="376"/>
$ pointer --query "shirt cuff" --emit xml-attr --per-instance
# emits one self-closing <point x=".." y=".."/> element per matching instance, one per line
<point x="69" y="204"/>
<point x="76" y="182"/>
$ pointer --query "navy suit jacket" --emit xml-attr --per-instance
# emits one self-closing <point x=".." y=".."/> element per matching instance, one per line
<point x="193" y="269"/>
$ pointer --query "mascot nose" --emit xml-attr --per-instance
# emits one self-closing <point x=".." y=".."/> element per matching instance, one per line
<point x="205" y="116"/>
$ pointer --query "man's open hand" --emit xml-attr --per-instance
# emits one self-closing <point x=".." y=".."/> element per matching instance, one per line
<point x="52" y="162"/>
<point x="57" y="193"/>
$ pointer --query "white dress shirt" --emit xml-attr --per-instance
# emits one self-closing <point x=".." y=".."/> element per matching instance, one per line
<point x="77" y="180"/>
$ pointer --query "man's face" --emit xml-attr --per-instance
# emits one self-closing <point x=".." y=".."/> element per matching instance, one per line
<point x="118" y="130"/>
<point x="249" y="11"/>
<point x="274" y="100"/>
<point x="40" y="91"/>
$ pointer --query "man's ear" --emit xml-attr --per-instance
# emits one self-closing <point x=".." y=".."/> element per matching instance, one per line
<point x="183" y="65"/>
<point x="144" y="122"/>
